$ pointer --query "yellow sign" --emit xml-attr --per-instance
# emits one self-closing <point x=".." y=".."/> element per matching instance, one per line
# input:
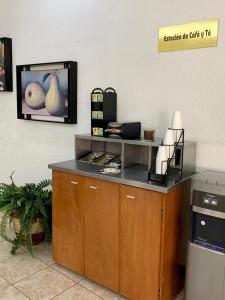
<point x="188" y="36"/>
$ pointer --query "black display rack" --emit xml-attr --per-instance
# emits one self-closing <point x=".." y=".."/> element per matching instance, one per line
<point x="174" y="164"/>
<point x="103" y="110"/>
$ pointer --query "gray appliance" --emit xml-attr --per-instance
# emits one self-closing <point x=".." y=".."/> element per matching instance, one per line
<point x="205" y="275"/>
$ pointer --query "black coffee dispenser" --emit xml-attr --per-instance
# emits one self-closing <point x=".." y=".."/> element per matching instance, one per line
<point x="103" y="110"/>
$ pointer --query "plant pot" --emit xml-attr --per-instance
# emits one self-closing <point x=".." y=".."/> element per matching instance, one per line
<point x="38" y="234"/>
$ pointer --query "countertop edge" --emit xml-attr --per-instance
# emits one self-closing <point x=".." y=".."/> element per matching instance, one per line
<point x="138" y="184"/>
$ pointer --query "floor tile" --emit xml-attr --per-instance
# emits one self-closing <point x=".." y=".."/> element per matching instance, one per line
<point x="19" y="267"/>
<point x="72" y="275"/>
<point x="180" y="296"/>
<point x="39" y="278"/>
<point x="44" y="253"/>
<point x="77" y="292"/>
<point x="44" y="285"/>
<point x="99" y="290"/>
<point x="3" y="283"/>
<point x="11" y="293"/>
<point x="0" y="221"/>
<point x="5" y="248"/>
<point x="1" y="239"/>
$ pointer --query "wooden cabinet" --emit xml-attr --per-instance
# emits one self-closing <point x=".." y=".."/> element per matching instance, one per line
<point x="102" y="232"/>
<point x="140" y="242"/>
<point x="68" y="221"/>
<point x="174" y="240"/>
<point x="126" y="238"/>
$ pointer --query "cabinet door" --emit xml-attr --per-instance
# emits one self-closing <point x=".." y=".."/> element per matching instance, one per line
<point x="140" y="239"/>
<point x="68" y="221"/>
<point x="102" y="232"/>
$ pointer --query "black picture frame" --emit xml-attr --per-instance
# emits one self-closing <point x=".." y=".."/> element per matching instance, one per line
<point x="6" y="78"/>
<point x="71" y="108"/>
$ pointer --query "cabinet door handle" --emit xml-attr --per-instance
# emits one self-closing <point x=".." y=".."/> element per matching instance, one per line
<point x="74" y="182"/>
<point x="93" y="187"/>
<point x="130" y="197"/>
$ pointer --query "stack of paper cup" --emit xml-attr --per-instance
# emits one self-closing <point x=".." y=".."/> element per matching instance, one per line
<point x="168" y="141"/>
<point x="161" y="160"/>
<point x="177" y="124"/>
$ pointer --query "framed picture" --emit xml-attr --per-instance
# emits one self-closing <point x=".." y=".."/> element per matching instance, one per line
<point x="6" y="82"/>
<point x="47" y="92"/>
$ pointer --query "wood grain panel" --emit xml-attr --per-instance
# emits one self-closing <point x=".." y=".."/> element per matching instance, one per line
<point x="140" y="238"/>
<point x="102" y="232"/>
<point x="68" y="221"/>
<point x="174" y="240"/>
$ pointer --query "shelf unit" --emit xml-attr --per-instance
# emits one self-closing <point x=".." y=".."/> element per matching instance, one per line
<point x="138" y="154"/>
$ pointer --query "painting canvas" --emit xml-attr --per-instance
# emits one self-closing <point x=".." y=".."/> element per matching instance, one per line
<point x="2" y="66"/>
<point x="45" y="92"/>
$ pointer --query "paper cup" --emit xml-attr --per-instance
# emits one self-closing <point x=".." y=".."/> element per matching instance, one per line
<point x="177" y="125"/>
<point x="168" y="141"/>
<point x="177" y="120"/>
<point x="161" y="160"/>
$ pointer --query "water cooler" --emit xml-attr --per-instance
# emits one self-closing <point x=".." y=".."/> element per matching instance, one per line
<point x="205" y="276"/>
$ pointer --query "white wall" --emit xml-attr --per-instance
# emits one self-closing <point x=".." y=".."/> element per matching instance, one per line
<point x="115" y="44"/>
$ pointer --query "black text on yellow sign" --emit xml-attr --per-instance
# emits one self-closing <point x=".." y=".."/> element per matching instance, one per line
<point x="188" y="36"/>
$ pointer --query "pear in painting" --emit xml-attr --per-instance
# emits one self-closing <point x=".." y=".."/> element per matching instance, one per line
<point x="54" y="100"/>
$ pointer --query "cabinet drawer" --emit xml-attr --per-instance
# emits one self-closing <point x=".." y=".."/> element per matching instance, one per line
<point x="66" y="178"/>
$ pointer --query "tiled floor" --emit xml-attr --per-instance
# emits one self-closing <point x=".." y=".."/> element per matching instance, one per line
<point x="25" y="277"/>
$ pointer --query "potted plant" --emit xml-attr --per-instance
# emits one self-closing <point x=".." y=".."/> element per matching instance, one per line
<point x="28" y="209"/>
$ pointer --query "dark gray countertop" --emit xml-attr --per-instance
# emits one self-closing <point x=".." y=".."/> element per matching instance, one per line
<point x="136" y="175"/>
